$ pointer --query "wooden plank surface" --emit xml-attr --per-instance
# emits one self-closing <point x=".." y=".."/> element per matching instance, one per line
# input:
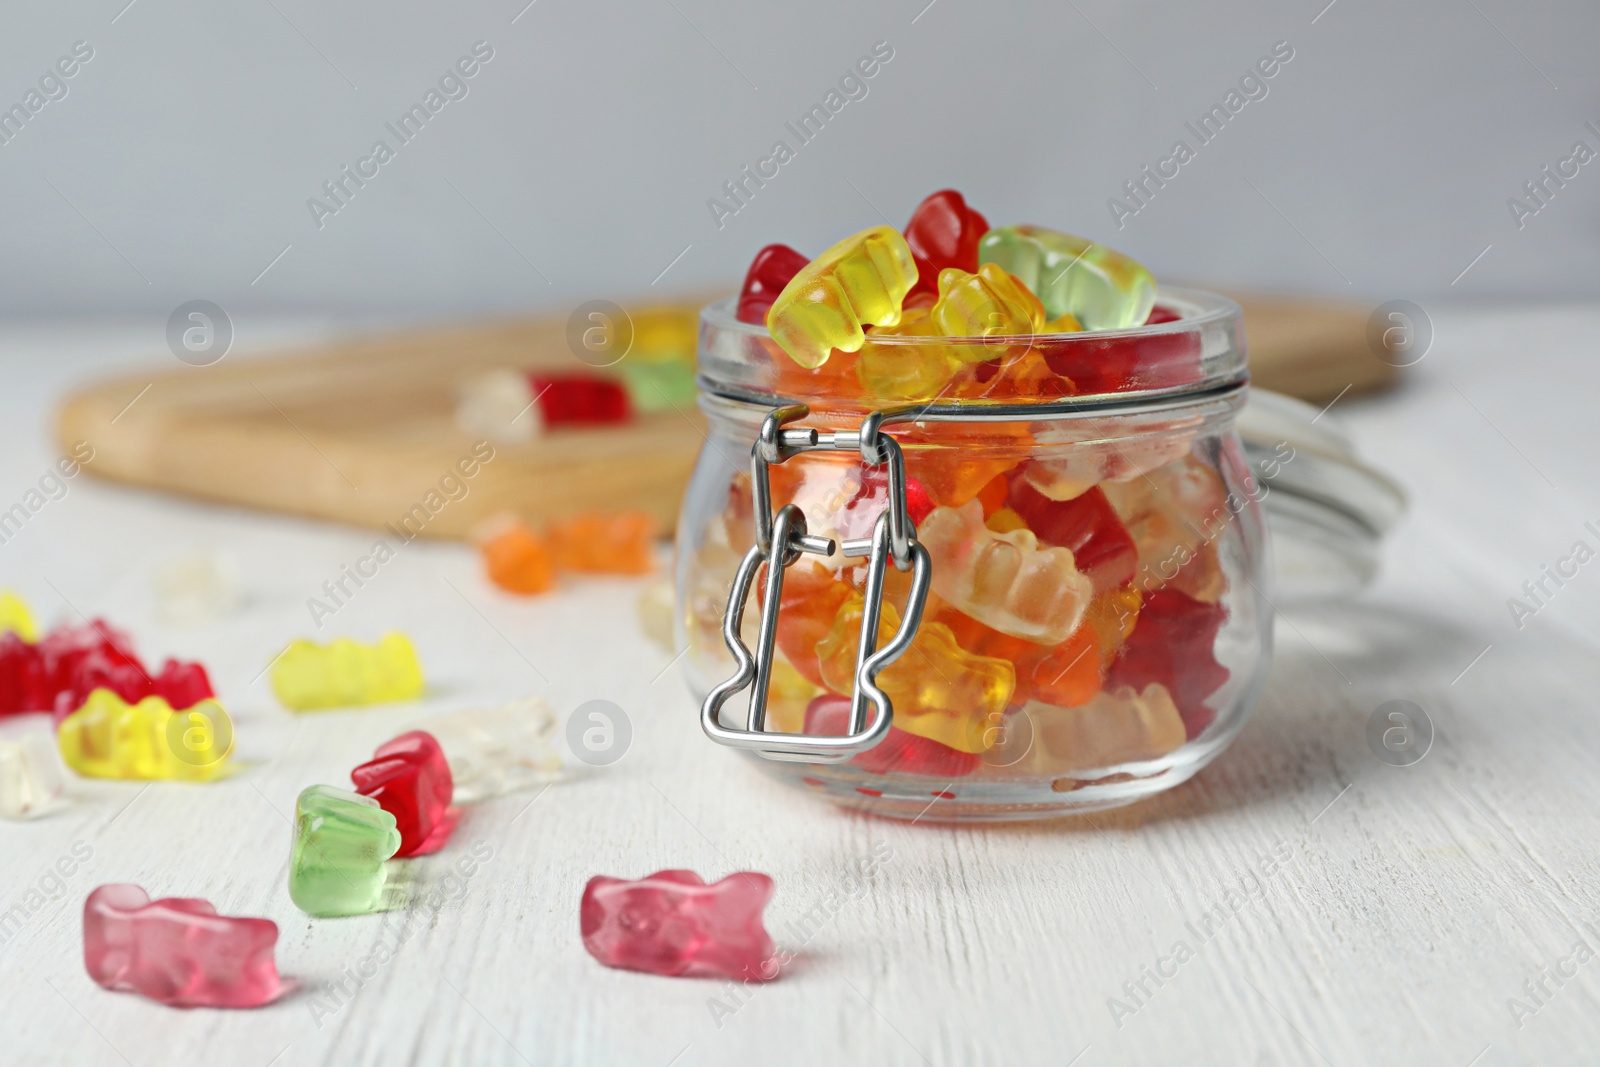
<point x="362" y="430"/>
<point x="1404" y="910"/>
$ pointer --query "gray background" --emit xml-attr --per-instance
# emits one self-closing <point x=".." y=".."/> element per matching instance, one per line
<point x="180" y="162"/>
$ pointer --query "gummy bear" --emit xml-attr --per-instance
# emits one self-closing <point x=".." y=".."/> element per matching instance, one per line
<point x="656" y="612"/>
<point x="23" y="686"/>
<point x="906" y="372"/>
<point x="989" y="303"/>
<point x="491" y="751"/>
<point x="179" y="951"/>
<point x="968" y="458"/>
<point x="1175" y="514"/>
<point x="1019" y="375"/>
<point x="579" y="400"/>
<point x="497" y="406"/>
<point x="659" y="386"/>
<point x="673" y="923"/>
<point x="770" y="272"/>
<point x="341" y="840"/>
<point x="939" y="690"/>
<point x="58" y="673"/>
<point x="1065" y="473"/>
<point x="181" y="685"/>
<point x="1100" y="288"/>
<point x="621" y="542"/>
<point x="943" y="232"/>
<point x="516" y="557"/>
<point x="1086" y="524"/>
<point x="309" y="677"/>
<point x="900" y="752"/>
<point x="789" y="693"/>
<point x="665" y="332"/>
<point x="810" y="602"/>
<point x="30" y="775"/>
<point x="861" y="280"/>
<point x="1124" y="361"/>
<point x="16" y="618"/>
<point x="1007" y="581"/>
<point x="1070" y="673"/>
<point x="871" y="498"/>
<point x="410" y="780"/>
<point x="110" y="738"/>
<point x="1173" y="644"/>
<point x="1066" y="674"/>
<point x="1121" y="725"/>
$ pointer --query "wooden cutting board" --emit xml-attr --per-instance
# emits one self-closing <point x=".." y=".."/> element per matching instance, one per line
<point x="363" y="431"/>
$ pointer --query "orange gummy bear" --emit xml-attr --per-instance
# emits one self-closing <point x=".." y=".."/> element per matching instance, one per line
<point x="939" y="690"/>
<point x="621" y="542"/>
<point x="812" y="596"/>
<point x="516" y="557"/>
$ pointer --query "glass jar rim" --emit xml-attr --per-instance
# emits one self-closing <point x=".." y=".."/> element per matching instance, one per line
<point x="1200" y="350"/>
<point x="1196" y="308"/>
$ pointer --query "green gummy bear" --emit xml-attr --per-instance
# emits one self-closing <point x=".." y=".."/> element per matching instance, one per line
<point x="1101" y="288"/>
<point x="341" y="840"/>
<point x="660" y="386"/>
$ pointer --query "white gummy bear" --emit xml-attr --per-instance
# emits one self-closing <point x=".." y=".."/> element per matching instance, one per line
<point x="493" y="751"/>
<point x="30" y="775"/>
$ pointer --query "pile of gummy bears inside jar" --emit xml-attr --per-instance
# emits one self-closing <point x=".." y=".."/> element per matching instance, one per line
<point x="1083" y="586"/>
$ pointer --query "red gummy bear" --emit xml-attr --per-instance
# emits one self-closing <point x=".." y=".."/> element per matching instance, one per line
<point x="772" y="269"/>
<point x="861" y="511"/>
<point x="1129" y="362"/>
<point x="901" y="752"/>
<point x="22" y="677"/>
<point x="1101" y="546"/>
<point x="580" y="399"/>
<point x="70" y="662"/>
<point x="183" y="685"/>
<point x="1159" y="314"/>
<point x="179" y="951"/>
<point x="673" y="923"/>
<point x="410" y="779"/>
<point x="943" y="232"/>
<point x="1174" y="643"/>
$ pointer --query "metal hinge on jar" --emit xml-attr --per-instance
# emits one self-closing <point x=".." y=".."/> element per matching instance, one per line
<point x="781" y="539"/>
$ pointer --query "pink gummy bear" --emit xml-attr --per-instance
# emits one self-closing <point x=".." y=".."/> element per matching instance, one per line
<point x="179" y="951"/>
<point x="410" y="778"/>
<point x="673" y="923"/>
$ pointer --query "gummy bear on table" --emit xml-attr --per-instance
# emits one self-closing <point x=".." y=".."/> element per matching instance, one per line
<point x="341" y="841"/>
<point x="179" y="951"/>
<point x="674" y="923"/>
<point x="345" y="673"/>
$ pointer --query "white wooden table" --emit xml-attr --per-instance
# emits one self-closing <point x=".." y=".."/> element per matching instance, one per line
<point x="1407" y="908"/>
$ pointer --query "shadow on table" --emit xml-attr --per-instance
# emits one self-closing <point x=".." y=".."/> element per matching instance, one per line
<point x="1332" y="669"/>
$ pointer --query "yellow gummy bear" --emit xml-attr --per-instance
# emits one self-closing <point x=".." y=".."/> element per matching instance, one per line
<point x="939" y="690"/>
<point x="906" y="372"/>
<point x="787" y="698"/>
<point x="861" y="280"/>
<point x="990" y="303"/>
<point x="16" y="618"/>
<point x="109" y="738"/>
<point x="1007" y="581"/>
<point x="665" y="334"/>
<point x="308" y="676"/>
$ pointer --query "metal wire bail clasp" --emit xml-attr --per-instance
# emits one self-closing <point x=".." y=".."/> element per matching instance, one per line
<point x="781" y="539"/>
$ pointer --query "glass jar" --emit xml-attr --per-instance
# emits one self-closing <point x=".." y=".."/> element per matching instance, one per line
<point x="1072" y="566"/>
